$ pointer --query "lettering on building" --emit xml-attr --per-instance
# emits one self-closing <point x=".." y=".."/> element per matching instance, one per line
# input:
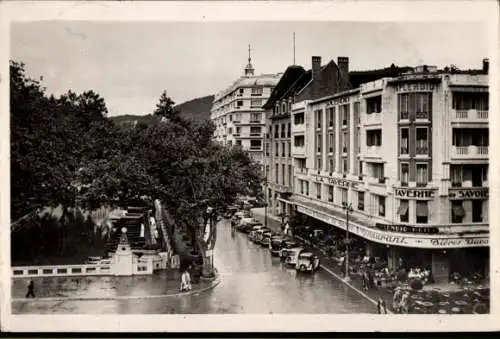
<point x="468" y="193"/>
<point x="415" y="87"/>
<point x="414" y="193"/>
<point x="407" y="229"/>
<point x="460" y="242"/>
<point x="381" y="237"/>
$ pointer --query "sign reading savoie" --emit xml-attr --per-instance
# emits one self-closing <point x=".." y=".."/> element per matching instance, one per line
<point x="393" y="238"/>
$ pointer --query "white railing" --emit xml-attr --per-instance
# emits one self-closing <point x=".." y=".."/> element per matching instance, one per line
<point x="471" y="114"/>
<point x="298" y="150"/>
<point x="468" y="151"/>
<point x="373" y="151"/>
<point x="60" y="270"/>
<point x="373" y="118"/>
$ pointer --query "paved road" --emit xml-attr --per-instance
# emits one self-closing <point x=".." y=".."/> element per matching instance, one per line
<point x="253" y="282"/>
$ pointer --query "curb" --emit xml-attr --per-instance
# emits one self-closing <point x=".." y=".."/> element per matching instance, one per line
<point x="124" y="297"/>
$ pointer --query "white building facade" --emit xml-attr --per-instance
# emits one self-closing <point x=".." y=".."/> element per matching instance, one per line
<point x="410" y="154"/>
<point x="238" y="114"/>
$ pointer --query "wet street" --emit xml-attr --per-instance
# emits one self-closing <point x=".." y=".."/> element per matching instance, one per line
<point x="252" y="282"/>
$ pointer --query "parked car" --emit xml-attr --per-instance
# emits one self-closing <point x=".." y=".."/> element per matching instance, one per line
<point x="247" y="224"/>
<point x="266" y="238"/>
<point x="253" y="231"/>
<point x="293" y="256"/>
<point x="285" y="246"/>
<point x="258" y="235"/>
<point x="275" y="245"/>
<point x="307" y="262"/>
<point x="230" y="211"/>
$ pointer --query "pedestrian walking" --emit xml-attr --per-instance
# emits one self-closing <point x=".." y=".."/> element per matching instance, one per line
<point x="31" y="289"/>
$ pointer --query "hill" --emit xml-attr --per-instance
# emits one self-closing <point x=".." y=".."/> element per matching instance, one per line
<point x="196" y="109"/>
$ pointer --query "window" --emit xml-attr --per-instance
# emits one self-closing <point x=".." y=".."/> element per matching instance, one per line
<point x="374" y="137"/>
<point x="318" y="143"/>
<point x="457" y="212"/>
<point x="422" y="175"/>
<point x="307" y="187"/>
<point x="283" y="176"/>
<point x="237" y="117"/>
<point x="344" y="110"/>
<point x="344" y="142"/>
<point x="318" y="191"/>
<point x="255" y="117"/>
<point x="331" y="165"/>
<point x="267" y="149"/>
<point x="284" y="107"/>
<point x="276" y="131"/>
<point x="405" y="173"/>
<point x="456" y="175"/>
<point x="290" y="175"/>
<point x="238" y="142"/>
<point x="361" y="201"/>
<point x="477" y="210"/>
<point x="298" y="141"/>
<point x="361" y="168"/>
<point x="289" y="130"/>
<point x="298" y="119"/>
<point x="301" y="186"/>
<point x="230" y="143"/>
<point x="417" y="103"/>
<point x="466" y="101"/>
<point x="289" y="149"/>
<point x="374" y="105"/>
<point x="283" y="150"/>
<point x="404" y="140"/>
<point x="255" y="103"/>
<point x="378" y="171"/>
<point x="230" y="117"/>
<point x="317" y="117"/>
<point x="238" y="129"/>
<point x="356" y="112"/>
<point x="330" y="193"/>
<point x="283" y="132"/>
<point x="344" y="165"/>
<point x="422" y="142"/>
<point x="331" y="116"/>
<point x="381" y="206"/>
<point x="343" y="195"/>
<point x="230" y="130"/>
<point x="257" y="91"/>
<point x="331" y="142"/>
<point x="239" y="103"/>
<point x="276" y="173"/>
<point x="422" y="212"/>
<point x="276" y="149"/>
<point x="241" y="91"/>
<point x="403" y="210"/>
<point x="255" y="131"/>
<point x="319" y="164"/>
<point x="255" y="144"/>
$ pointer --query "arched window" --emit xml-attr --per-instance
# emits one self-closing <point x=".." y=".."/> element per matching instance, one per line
<point x="284" y="107"/>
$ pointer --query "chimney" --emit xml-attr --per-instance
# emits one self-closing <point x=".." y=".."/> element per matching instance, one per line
<point x="316" y="67"/>
<point x="486" y="65"/>
<point x="343" y="63"/>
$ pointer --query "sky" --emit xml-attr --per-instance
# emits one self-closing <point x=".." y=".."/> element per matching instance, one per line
<point x="130" y="63"/>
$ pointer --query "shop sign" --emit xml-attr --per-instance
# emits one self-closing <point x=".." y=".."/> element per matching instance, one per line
<point x="407" y="229"/>
<point x="336" y="181"/>
<point x="468" y="193"/>
<point x="414" y="193"/>
<point x="415" y="87"/>
<point x="461" y="242"/>
<point x="317" y="215"/>
<point x="377" y="236"/>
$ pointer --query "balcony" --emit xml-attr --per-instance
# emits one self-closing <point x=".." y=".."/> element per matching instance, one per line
<point x="255" y="135"/>
<point x="256" y="122"/>
<point x="466" y="152"/>
<point x="422" y="115"/>
<point x="471" y="115"/>
<point x="300" y="128"/>
<point x="299" y="151"/>
<point x="373" y="151"/>
<point x="373" y="119"/>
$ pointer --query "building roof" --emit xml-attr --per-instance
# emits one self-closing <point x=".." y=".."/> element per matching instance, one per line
<point x="356" y="78"/>
<point x="289" y="77"/>
<point x="264" y="80"/>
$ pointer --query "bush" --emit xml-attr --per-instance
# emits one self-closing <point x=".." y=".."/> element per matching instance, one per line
<point x="416" y="284"/>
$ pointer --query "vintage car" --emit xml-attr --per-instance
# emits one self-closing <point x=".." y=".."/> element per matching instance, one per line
<point x="258" y="235"/>
<point x="230" y="211"/>
<point x="307" y="262"/>
<point x="253" y="231"/>
<point x="247" y="224"/>
<point x="285" y="246"/>
<point x="276" y="244"/>
<point x="266" y="238"/>
<point x="293" y="256"/>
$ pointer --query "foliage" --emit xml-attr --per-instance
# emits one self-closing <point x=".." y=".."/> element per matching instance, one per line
<point x="416" y="284"/>
<point x="66" y="147"/>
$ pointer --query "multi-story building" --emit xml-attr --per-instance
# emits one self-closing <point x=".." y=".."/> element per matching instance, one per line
<point x="295" y="87"/>
<point x="409" y="153"/>
<point x="237" y="111"/>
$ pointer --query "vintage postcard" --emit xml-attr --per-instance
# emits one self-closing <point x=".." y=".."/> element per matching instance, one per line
<point x="249" y="166"/>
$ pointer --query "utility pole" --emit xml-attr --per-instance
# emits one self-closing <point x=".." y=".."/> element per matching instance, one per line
<point x="348" y="209"/>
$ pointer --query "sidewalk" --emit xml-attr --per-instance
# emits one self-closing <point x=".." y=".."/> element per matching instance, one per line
<point x="330" y="265"/>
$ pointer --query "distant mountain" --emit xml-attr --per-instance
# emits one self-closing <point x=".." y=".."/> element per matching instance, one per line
<point x="196" y="109"/>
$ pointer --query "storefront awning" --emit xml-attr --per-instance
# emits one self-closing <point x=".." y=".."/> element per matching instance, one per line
<point x="422" y="210"/>
<point x="403" y="208"/>
<point x="459" y="211"/>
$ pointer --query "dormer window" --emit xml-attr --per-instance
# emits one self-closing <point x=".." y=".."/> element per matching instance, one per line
<point x="284" y="107"/>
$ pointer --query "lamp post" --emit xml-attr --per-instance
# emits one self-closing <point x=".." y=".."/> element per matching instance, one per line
<point x="348" y="209"/>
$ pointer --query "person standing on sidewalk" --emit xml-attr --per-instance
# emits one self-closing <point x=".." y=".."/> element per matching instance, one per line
<point x="31" y="289"/>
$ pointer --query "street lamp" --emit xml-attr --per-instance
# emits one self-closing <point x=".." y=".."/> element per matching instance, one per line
<point x="348" y="209"/>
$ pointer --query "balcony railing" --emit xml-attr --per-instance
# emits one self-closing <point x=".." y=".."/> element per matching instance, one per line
<point x="404" y="115"/>
<point x="470" y="151"/>
<point x="373" y="151"/>
<point x="471" y="115"/>
<point x="422" y="150"/>
<point x="299" y="150"/>
<point x="256" y="134"/>
<point x="373" y="118"/>
<point x="422" y="115"/>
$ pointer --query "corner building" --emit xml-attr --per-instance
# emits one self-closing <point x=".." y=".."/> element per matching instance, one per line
<point x="238" y="114"/>
<point x="410" y="153"/>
